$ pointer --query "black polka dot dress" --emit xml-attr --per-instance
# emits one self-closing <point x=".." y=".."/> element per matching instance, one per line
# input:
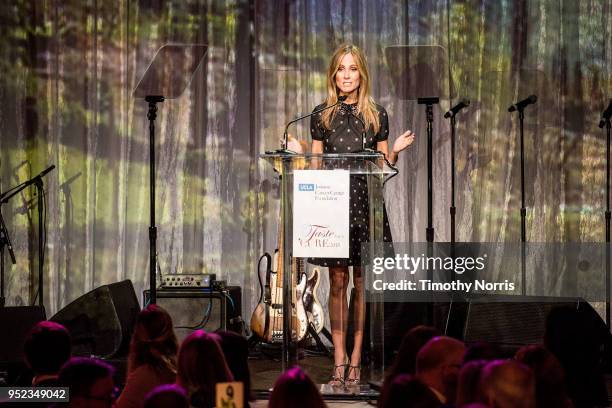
<point x="345" y="136"/>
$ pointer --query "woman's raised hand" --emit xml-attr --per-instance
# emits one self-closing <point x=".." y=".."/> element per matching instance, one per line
<point x="294" y="145"/>
<point x="403" y="141"/>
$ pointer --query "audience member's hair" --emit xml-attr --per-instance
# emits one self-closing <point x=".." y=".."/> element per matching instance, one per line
<point x="47" y="347"/>
<point x="438" y="363"/>
<point x="236" y="350"/>
<point x="80" y="375"/>
<point x="435" y="353"/>
<point x="507" y="384"/>
<point x="469" y="382"/>
<point x="483" y="350"/>
<point x="167" y="396"/>
<point x="153" y="341"/>
<point x="549" y="376"/>
<point x="201" y="365"/>
<point x="407" y="391"/>
<point x="414" y="339"/>
<point x="575" y="336"/>
<point x="294" y="389"/>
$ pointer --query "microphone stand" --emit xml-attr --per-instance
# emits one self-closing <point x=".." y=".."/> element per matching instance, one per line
<point x="523" y="208"/>
<point x="521" y="113"/>
<point x="38" y="182"/>
<point x="453" y="209"/>
<point x="520" y="107"/>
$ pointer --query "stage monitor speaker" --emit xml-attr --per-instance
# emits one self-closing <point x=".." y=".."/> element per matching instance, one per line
<point x="101" y="321"/>
<point x="515" y="324"/>
<point x="17" y="321"/>
<point x="508" y="324"/>
<point x="193" y="309"/>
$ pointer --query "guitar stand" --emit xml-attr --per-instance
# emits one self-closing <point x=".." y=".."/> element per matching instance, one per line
<point x="273" y="351"/>
<point x="320" y="346"/>
<point x="260" y="349"/>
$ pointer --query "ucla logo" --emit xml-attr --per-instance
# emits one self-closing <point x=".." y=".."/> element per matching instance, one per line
<point x="306" y="187"/>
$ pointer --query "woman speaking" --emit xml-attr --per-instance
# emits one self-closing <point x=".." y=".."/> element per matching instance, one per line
<point x="340" y="130"/>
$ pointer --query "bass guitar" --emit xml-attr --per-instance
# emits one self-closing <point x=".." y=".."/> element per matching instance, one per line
<point x="267" y="318"/>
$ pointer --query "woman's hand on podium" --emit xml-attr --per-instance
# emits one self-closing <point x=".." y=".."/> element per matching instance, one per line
<point x="294" y="145"/>
<point x="403" y="141"/>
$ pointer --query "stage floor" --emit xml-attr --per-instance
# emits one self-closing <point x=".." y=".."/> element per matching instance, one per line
<point x="265" y="370"/>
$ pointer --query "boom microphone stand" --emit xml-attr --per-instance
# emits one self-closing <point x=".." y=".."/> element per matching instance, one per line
<point x="4" y="198"/>
<point x="452" y="113"/>
<point x="520" y="107"/>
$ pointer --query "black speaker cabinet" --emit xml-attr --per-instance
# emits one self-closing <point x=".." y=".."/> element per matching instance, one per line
<point x="193" y="309"/>
<point x="101" y="321"/>
<point x="507" y="321"/>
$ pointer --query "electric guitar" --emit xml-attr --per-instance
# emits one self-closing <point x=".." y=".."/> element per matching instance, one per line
<point x="314" y="310"/>
<point x="267" y="318"/>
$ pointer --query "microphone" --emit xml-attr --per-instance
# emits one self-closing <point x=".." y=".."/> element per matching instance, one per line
<point x="520" y="105"/>
<point x="7" y="195"/>
<point x="463" y="103"/>
<point x="605" y="116"/>
<point x="45" y="171"/>
<point x="341" y="99"/>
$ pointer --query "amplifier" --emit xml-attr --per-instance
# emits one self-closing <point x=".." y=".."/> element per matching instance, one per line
<point x="200" y="280"/>
<point x="206" y="309"/>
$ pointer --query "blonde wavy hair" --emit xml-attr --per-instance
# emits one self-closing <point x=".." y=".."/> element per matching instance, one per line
<point x="365" y="103"/>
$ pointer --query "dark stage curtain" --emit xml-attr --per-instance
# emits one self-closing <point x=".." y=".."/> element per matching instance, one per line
<point x="68" y="69"/>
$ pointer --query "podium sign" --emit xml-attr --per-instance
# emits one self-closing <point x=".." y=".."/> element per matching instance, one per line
<point x="321" y="213"/>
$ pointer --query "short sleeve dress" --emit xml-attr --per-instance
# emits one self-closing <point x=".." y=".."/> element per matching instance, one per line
<point x="345" y="136"/>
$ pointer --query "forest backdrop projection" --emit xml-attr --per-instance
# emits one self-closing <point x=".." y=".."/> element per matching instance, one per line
<point x="68" y="69"/>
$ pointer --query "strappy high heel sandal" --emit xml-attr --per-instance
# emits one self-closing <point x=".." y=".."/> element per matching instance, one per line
<point x="339" y="373"/>
<point x="356" y="375"/>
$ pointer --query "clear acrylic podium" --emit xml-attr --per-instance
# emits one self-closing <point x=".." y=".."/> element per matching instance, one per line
<point x="375" y="170"/>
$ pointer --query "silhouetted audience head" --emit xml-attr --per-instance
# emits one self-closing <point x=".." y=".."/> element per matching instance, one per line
<point x="153" y="341"/>
<point x="90" y="382"/>
<point x="576" y="335"/>
<point x="236" y="350"/>
<point x="468" y="385"/>
<point x="507" y="384"/>
<point x="167" y="396"/>
<point x="47" y="348"/>
<point x="294" y="389"/>
<point x="201" y="365"/>
<point x="549" y="376"/>
<point x="437" y="365"/>
<point x="407" y="391"/>
<point x="483" y="350"/>
<point x="414" y="339"/>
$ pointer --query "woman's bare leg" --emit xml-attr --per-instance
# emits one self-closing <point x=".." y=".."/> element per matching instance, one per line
<point x="359" y="319"/>
<point x="338" y="314"/>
